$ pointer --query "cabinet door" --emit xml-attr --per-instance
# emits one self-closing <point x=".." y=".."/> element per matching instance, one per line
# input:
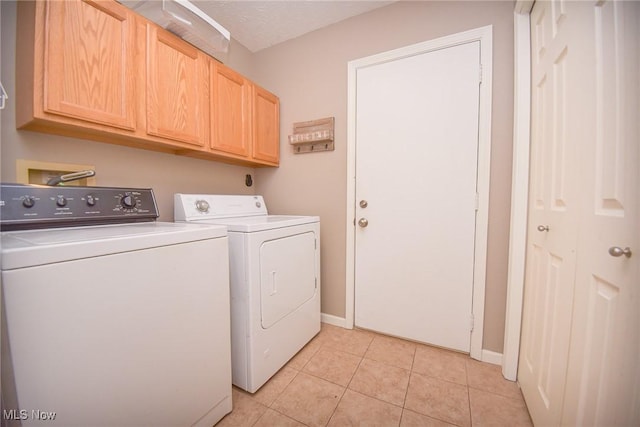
<point x="177" y="89"/>
<point x="266" y="126"/>
<point x="230" y="112"/>
<point x="89" y="59"/>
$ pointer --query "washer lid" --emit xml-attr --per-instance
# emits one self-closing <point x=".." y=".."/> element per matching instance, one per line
<point x="37" y="247"/>
<point x="252" y="224"/>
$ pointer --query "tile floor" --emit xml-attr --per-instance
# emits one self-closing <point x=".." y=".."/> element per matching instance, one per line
<point x="359" y="378"/>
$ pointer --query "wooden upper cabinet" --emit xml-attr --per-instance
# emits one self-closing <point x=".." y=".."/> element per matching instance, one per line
<point x="266" y="127"/>
<point x="244" y="118"/>
<point x="84" y="54"/>
<point x="96" y="70"/>
<point x="177" y="89"/>
<point x="230" y="112"/>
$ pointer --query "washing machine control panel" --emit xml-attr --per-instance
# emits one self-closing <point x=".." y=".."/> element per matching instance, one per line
<point x="39" y="206"/>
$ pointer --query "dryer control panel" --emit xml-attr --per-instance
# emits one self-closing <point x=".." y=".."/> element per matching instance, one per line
<point x="192" y="207"/>
<point x="40" y="206"/>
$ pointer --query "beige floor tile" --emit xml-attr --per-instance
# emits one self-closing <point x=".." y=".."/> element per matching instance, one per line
<point x="333" y="365"/>
<point x="439" y="363"/>
<point x="309" y="400"/>
<point x="352" y="341"/>
<point x="488" y="409"/>
<point x="392" y="351"/>
<point x="439" y="399"/>
<point x="272" y="418"/>
<point x="382" y="381"/>
<point x="438" y="388"/>
<point x="356" y="409"/>
<point x="270" y="391"/>
<point x="487" y="377"/>
<point x="303" y="356"/>
<point x="413" y="419"/>
<point x="246" y="411"/>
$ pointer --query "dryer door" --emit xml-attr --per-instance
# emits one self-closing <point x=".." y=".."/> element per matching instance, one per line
<point x="287" y="275"/>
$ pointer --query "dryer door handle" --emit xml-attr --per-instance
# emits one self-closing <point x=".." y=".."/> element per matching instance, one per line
<point x="274" y="288"/>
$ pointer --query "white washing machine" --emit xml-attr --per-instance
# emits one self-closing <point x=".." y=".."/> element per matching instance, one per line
<point x="122" y="324"/>
<point x="275" y="280"/>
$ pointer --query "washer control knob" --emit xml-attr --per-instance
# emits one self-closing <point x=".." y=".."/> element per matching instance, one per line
<point x="28" y="202"/>
<point x="128" y="201"/>
<point x="61" y="201"/>
<point x="91" y="201"/>
<point x="202" y="206"/>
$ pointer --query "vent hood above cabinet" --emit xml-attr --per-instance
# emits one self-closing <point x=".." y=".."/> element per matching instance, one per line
<point x="184" y="19"/>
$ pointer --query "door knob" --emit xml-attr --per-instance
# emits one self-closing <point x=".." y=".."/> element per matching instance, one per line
<point x="364" y="204"/>
<point x="617" y="251"/>
<point x="363" y="222"/>
<point x="543" y="228"/>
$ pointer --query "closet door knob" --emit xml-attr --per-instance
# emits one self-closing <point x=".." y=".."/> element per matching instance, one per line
<point x="543" y="228"/>
<point x="363" y="222"/>
<point x="618" y="251"/>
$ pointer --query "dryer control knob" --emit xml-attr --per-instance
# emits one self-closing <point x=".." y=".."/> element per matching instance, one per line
<point x="202" y="206"/>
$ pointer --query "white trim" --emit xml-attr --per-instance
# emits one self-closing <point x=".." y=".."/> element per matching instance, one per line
<point x="492" y="357"/>
<point x="334" y="320"/>
<point x="351" y="199"/>
<point x="523" y="7"/>
<point x="519" y="189"/>
<point x="485" y="36"/>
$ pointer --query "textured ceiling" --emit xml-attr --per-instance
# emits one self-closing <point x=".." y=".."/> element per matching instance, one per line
<point x="260" y="24"/>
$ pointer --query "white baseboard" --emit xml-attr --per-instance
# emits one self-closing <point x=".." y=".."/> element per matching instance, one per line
<point x="491" y="357"/>
<point x="333" y="320"/>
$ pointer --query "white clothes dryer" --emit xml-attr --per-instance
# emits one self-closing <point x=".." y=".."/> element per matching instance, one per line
<point x="274" y="279"/>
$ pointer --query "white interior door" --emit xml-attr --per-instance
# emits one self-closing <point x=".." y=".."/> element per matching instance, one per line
<point x="603" y="379"/>
<point x="581" y="323"/>
<point x="553" y="211"/>
<point x="416" y="194"/>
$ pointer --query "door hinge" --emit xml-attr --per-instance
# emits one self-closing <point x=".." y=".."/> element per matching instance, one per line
<point x="315" y="244"/>
<point x="471" y="322"/>
<point x="316" y="283"/>
<point x="480" y="74"/>
<point x="477" y="202"/>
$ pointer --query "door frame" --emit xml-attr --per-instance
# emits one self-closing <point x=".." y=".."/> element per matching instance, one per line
<point x="485" y="36"/>
<point x="519" y="188"/>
